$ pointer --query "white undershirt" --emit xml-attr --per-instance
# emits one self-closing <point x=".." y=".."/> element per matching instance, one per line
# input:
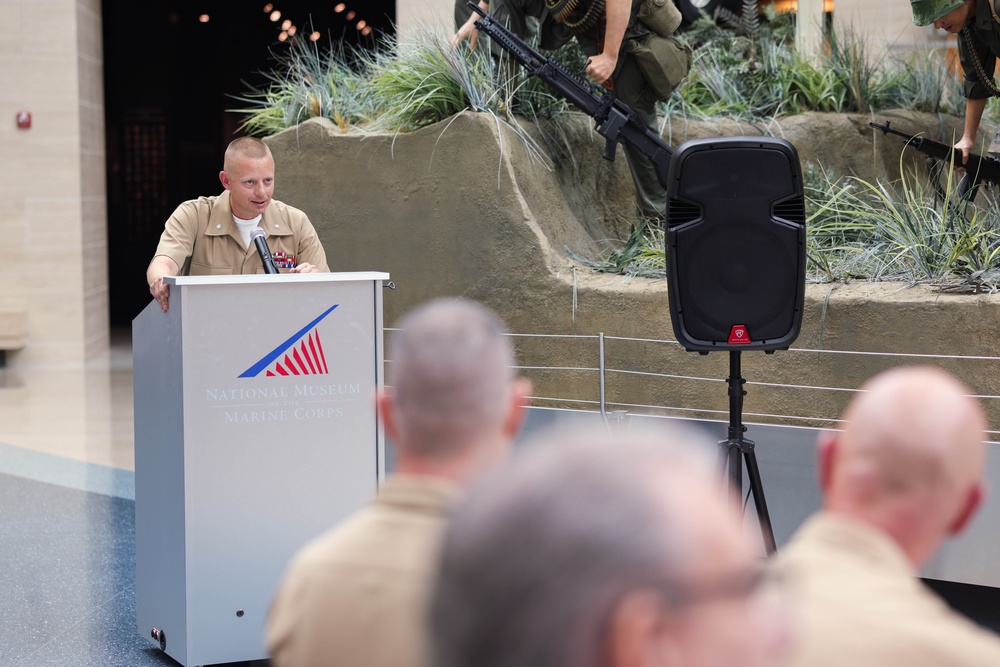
<point x="245" y="227"/>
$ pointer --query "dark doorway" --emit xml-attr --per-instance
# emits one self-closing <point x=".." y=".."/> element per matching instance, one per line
<point x="171" y="70"/>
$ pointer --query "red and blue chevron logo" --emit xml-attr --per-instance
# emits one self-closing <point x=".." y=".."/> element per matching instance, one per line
<point x="301" y="354"/>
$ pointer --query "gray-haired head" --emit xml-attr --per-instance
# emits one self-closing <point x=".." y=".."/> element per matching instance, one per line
<point x="540" y="555"/>
<point x="451" y="371"/>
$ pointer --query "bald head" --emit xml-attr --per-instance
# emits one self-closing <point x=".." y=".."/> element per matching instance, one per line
<point x="451" y="375"/>
<point x="912" y="446"/>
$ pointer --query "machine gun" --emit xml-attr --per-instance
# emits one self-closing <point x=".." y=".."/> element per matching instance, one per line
<point x="978" y="169"/>
<point x="615" y="120"/>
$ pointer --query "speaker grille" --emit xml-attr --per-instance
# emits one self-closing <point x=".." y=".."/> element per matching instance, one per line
<point x="680" y="212"/>
<point x="740" y="257"/>
<point x="792" y="210"/>
<point x="740" y="271"/>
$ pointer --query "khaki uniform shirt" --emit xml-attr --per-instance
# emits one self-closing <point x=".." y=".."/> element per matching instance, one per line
<point x="357" y="596"/>
<point x="856" y="602"/>
<point x="204" y="241"/>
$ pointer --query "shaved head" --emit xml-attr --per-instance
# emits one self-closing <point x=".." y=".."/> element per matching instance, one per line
<point x="248" y="174"/>
<point x="451" y="373"/>
<point x="245" y="147"/>
<point x="910" y="455"/>
<point x="916" y="428"/>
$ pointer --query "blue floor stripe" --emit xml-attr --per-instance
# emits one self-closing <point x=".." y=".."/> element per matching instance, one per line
<point x="65" y="472"/>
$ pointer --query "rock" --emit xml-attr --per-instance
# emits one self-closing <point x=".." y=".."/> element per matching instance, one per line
<point x="461" y="208"/>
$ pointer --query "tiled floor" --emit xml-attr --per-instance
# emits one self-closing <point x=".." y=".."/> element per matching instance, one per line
<point x="67" y="517"/>
<point x="68" y="576"/>
<point x="83" y="414"/>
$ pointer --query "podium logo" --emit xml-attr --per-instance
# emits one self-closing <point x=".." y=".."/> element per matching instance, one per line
<point x="301" y="354"/>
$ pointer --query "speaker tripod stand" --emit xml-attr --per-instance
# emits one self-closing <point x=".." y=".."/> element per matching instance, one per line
<point x="736" y="446"/>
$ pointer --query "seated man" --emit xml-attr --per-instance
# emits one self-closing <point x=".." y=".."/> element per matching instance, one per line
<point x="903" y="476"/>
<point x="591" y="551"/>
<point x="356" y="596"/>
<point x="211" y="235"/>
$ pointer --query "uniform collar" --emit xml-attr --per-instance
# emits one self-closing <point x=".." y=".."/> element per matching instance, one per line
<point x="844" y="534"/>
<point x="221" y="221"/>
<point x="434" y="495"/>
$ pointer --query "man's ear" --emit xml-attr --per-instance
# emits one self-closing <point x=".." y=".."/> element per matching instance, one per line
<point x="384" y="403"/>
<point x="635" y="633"/>
<point x="972" y="502"/>
<point x="224" y="178"/>
<point x="826" y="453"/>
<point x="520" y="391"/>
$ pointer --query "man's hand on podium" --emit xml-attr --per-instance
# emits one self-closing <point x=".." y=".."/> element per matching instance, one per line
<point x="304" y="267"/>
<point x="160" y="292"/>
<point x="161" y="267"/>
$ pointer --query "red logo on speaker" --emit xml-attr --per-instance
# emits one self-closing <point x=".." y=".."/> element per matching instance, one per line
<point x="738" y="335"/>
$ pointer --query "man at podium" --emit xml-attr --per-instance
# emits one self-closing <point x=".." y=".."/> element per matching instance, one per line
<point x="212" y="235"/>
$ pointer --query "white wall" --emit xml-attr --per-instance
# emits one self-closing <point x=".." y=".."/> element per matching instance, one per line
<point x="886" y="26"/>
<point x="53" y="222"/>
<point x="410" y="14"/>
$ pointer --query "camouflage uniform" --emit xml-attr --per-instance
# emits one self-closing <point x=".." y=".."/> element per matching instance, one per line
<point x="978" y="48"/>
<point x="978" y="42"/>
<point x="926" y="12"/>
<point x="629" y="84"/>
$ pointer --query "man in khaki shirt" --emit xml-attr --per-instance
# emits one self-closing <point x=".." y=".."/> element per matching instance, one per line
<point x="904" y="475"/>
<point x="357" y="595"/>
<point x="211" y="235"/>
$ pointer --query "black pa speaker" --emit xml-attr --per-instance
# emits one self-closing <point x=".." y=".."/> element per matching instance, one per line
<point x="736" y="241"/>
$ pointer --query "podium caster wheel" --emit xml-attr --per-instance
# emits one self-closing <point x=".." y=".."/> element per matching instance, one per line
<point x="160" y="637"/>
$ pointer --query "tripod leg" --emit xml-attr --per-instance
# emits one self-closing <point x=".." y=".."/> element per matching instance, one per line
<point x="737" y="444"/>
<point x="723" y="460"/>
<point x="736" y="475"/>
<point x="757" y="489"/>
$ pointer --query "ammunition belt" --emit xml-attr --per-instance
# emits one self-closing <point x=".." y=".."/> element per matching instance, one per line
<point x="576" y="18"/>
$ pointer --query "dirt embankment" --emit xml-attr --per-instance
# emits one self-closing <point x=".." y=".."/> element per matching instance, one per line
<point x="461" y="208"/>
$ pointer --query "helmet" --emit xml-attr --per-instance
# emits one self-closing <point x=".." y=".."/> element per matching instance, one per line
<point x="926" y="12"/>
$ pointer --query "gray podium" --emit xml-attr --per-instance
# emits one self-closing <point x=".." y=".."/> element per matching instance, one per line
<point x="255" y="430"/>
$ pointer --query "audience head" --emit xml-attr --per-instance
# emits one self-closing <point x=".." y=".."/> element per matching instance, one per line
<point x="909" y="459"/>
<point x="593" y="551"/>
<point x="454" y="395"/>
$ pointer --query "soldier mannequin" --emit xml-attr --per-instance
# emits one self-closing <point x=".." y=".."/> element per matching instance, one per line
<point x="977" y="26"/>
<point x="609" y="43"/>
